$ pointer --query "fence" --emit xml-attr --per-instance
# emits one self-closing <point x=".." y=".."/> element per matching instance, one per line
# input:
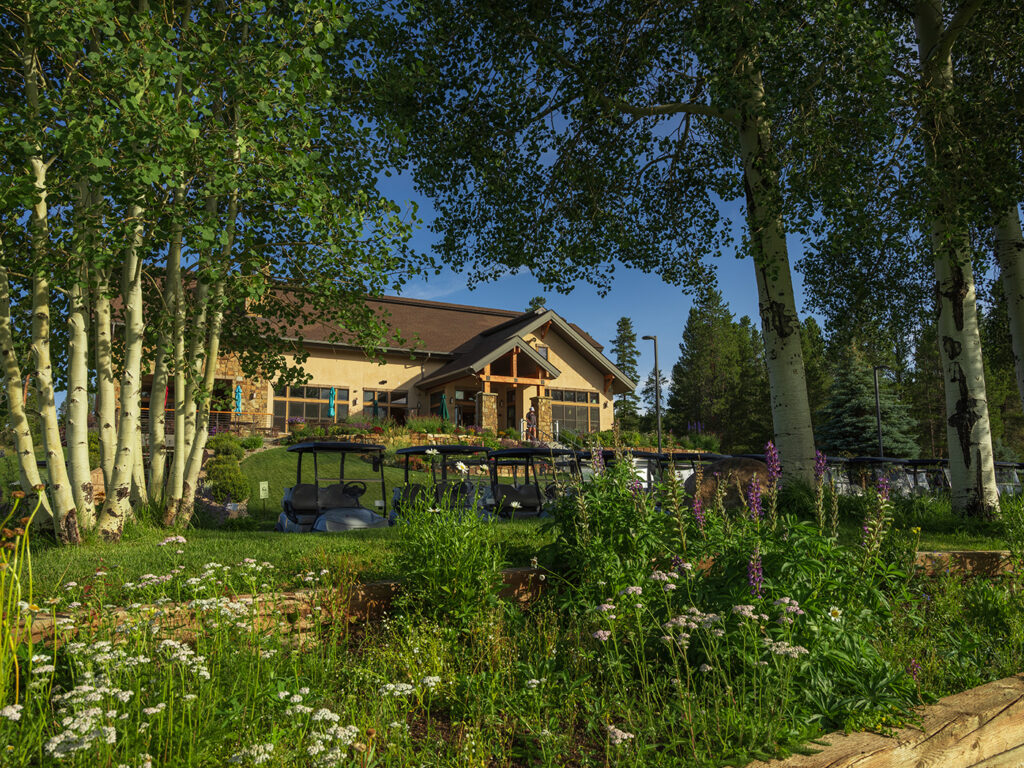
<point x="244" y="423"/>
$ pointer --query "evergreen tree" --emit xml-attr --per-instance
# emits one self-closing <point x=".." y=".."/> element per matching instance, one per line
<point x="707" y="372"/>
<point x="924" y="394"/>
<point x="537" y="302"/>
<point x="819" y="377"/>
<point x="647" y="397"/>
<point x="850" y="426"/>
<point x="1000" y="379"/>
<point x="750" y="424"/>
<point x="625" y="353"/>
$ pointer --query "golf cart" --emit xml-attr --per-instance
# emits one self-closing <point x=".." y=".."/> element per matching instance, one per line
<point x="331" y="504"/>
<point x="543" y="471"/>
<point x="453" y="483"/>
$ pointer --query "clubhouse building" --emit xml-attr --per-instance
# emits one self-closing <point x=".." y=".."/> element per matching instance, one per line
<point x="477" y="366"/>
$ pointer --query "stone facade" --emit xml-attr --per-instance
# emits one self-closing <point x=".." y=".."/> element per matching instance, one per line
<point x="487" y="411"/>
<point x="543" y="406"/>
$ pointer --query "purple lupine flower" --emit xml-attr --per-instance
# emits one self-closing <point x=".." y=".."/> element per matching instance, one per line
<point x="597" y="458"/>
<point x="698" y="512"/>
<point x="820" y="465"/>
<point x="636" y="486"/>
<point x="755" y="574"/>
<point x="754" y="498"/>
<point x="882" y="486"/>
<point x="771" y="458"/>
<point x="914" y="668"/>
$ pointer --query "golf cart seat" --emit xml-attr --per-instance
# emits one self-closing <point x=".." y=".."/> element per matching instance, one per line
<point x="334" y="497"/>
<point x="528" y="497"/>
<point x="411" y="494"/>
<point x="300" y="509"/>
<point x="456" y="492"/>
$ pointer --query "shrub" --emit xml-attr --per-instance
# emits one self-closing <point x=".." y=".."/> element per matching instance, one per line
<point x="94" y="449"/>
<point x="429" y="424"/>
<point x="225" y="444"/>
<point x="449" y="571"/>
<point x="225" y="481"/>
<point x="252" y="443"/>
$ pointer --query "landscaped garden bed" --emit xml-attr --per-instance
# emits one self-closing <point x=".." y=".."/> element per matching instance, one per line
<point x="631" y="655"/>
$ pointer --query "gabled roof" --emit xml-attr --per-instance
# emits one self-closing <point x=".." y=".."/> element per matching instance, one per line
<point x="500" y="339"/>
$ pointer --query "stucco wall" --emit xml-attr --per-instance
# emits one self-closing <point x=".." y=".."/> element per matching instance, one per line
<point x="577" y="371"/>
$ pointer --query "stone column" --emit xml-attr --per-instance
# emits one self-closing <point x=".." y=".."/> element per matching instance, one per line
<point x="487" y="411"/>
<point x="544" y="424"/>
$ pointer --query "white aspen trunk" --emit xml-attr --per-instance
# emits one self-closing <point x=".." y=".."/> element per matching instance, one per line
<point x="78" y="404"/>
<point x="24" y="445"/>
<point x="65" y="518"/>
<point x="968" y="433"/>
<point x="158" y="418"/>
<point x="780" y="324"/>
<point x="117" y="505"/>
<point x="62" y="503"/>
<point x="178" y="309"/>
<point x="105" y="398"/>
<point x="202" y="429"/>
<point x="1010" y="254"/>
<point x="216" y="316"/>
<point x="140" y="495"/>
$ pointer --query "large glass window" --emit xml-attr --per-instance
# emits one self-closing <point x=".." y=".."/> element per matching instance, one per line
<point x="308" y="405"/>
<point x="392" y="405"/>
<point x="575" y="410"/>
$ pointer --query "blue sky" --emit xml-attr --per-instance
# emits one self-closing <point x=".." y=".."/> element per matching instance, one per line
<point x="655" y="307"/>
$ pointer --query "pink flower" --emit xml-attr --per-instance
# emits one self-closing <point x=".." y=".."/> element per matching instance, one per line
<point x="602" y="635"/>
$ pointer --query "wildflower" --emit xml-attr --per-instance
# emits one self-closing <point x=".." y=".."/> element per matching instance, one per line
<point x="431" y="681"/>
<point x="12" y="711"/>
<point x="660" y="576"/>
<point x="71" y="585"/>
<point x="820" y="465"/>
<point x="755" y="574"/>
<point x="782" y="648"/>
<point x="669" y="587"/>
<point x="754" y="498"/>
<point x="882" y="486"/>
<point x="631" y="591"/>
<point x="432" y="452"/>
<point x="43" y="669"/>
<point x="602" y="635"/>
<point x="698" y="512"/>
<point x="534" y="683"/>
<point x="617" y="736"/>
<point x="155" y="710"/>
<point x="835" y="613"/>
<point x="606" y="607"/>
<point x="516" y="505"/>
<point x="771" y="458"/>
<point x="461" y="468"/>
<point x="635" y="486"/>
<point x="255" y="754"/>
<point x="705" y="668"/>
<point x="914" y="668"/>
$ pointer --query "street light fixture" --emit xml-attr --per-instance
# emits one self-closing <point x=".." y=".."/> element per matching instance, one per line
<point x="657" y="386"/>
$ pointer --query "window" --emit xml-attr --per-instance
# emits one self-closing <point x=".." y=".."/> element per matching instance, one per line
<point x="308" y="405"/>
<point x="543" y="352"/>
<point x="575" y="410"/>
<point x="389" y="405"/>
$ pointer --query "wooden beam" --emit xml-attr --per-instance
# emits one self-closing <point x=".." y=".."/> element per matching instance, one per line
<point x="487" y="378"/>
<point x="515" y="362"/>
<point x="608" y="379"/>
<point x="544" y="330"/>
<point x="511" y="380"/>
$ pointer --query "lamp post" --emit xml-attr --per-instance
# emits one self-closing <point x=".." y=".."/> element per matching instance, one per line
<point x="657" y="386"/>
<point x="878" y="410"/>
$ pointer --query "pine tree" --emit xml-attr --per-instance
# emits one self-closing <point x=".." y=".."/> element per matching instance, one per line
<point x="849" y="424"/>
<point x="750" y="424"/>
<point x="924" y="394"/>
<point x="707" y="371"/>
<point x="816" y="367"/>
<point x="537" y="302"/>
<point x="626" y="354"/>
<point x="647" y="397"/>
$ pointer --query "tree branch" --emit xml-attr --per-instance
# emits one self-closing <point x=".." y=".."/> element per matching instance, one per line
<point x="956" y="25"/>
<point x="678" y="108"/>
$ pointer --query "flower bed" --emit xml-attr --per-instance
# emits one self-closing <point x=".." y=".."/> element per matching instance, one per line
<point x="633" y="655"/>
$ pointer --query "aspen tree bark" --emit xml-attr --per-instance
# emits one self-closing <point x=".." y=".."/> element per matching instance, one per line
<point x="1010" y="254"/>
<point x="139" y="495"/>
<point x="968" y="432"/>
<point x="158" y="418"/>
<point x="791" y="412"/>
<point x="216" y="315"/>
<point x="24" y="445"/>
<point x="202" y="428"/>
<point x="77" y="434"/>
<point x="105" y="399"/>
<point x="117" y="505"/>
